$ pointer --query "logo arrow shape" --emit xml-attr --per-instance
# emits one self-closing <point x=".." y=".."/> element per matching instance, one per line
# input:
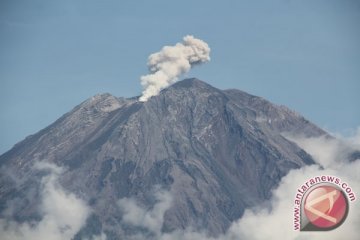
<point x="330" y="196"/>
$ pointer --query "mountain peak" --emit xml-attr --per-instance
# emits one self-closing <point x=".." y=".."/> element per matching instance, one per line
<point x="188" y="90"/>
<point x="200" y="142"/>
<point x="191" y="82"/>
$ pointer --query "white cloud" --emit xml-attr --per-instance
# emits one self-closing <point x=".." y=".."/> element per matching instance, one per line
<point x="277" y="222"/>
<point x="102" y="236"/>
<point x="63" y="213"/>
<point x="152" y="219"/>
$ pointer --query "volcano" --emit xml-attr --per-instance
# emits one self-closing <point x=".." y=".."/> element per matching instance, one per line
<point x="217" y="151"/>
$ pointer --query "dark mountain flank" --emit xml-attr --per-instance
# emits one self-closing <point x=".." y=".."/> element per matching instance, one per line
<point x="218" y="151"/>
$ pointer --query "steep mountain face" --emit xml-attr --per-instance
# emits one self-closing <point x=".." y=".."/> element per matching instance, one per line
<point x="217" y="152"/>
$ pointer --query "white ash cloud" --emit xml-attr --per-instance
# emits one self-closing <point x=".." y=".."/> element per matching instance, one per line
<point x="63" y="213"/>
<point x="171" y="62"/>
<point x="275" y="222"/>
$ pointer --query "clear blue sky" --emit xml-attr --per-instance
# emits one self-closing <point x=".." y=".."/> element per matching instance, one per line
<point x="304" y="54"/>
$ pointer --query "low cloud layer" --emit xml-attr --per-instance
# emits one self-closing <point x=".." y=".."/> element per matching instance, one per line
<point x="152" y="219"/>
<point x="275" y="222"/>
<point x="331" y="155"/>
<point x="63" y="213"/>
<point x="171" y="62"/>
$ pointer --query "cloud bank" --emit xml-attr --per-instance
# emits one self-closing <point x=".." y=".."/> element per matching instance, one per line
<point x="170" y="62"/>
<point x="63" y="213"/>
<point x="331" y="155"/>
<point x="152" y="219"/>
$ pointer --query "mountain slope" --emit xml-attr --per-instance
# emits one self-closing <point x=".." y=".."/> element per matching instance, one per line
<point x="218" y="152"/>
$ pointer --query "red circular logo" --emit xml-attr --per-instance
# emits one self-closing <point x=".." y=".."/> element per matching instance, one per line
<point x="326" y="207"/>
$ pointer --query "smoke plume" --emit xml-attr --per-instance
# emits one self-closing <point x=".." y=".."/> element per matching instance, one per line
<point x="172" y="61"/>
